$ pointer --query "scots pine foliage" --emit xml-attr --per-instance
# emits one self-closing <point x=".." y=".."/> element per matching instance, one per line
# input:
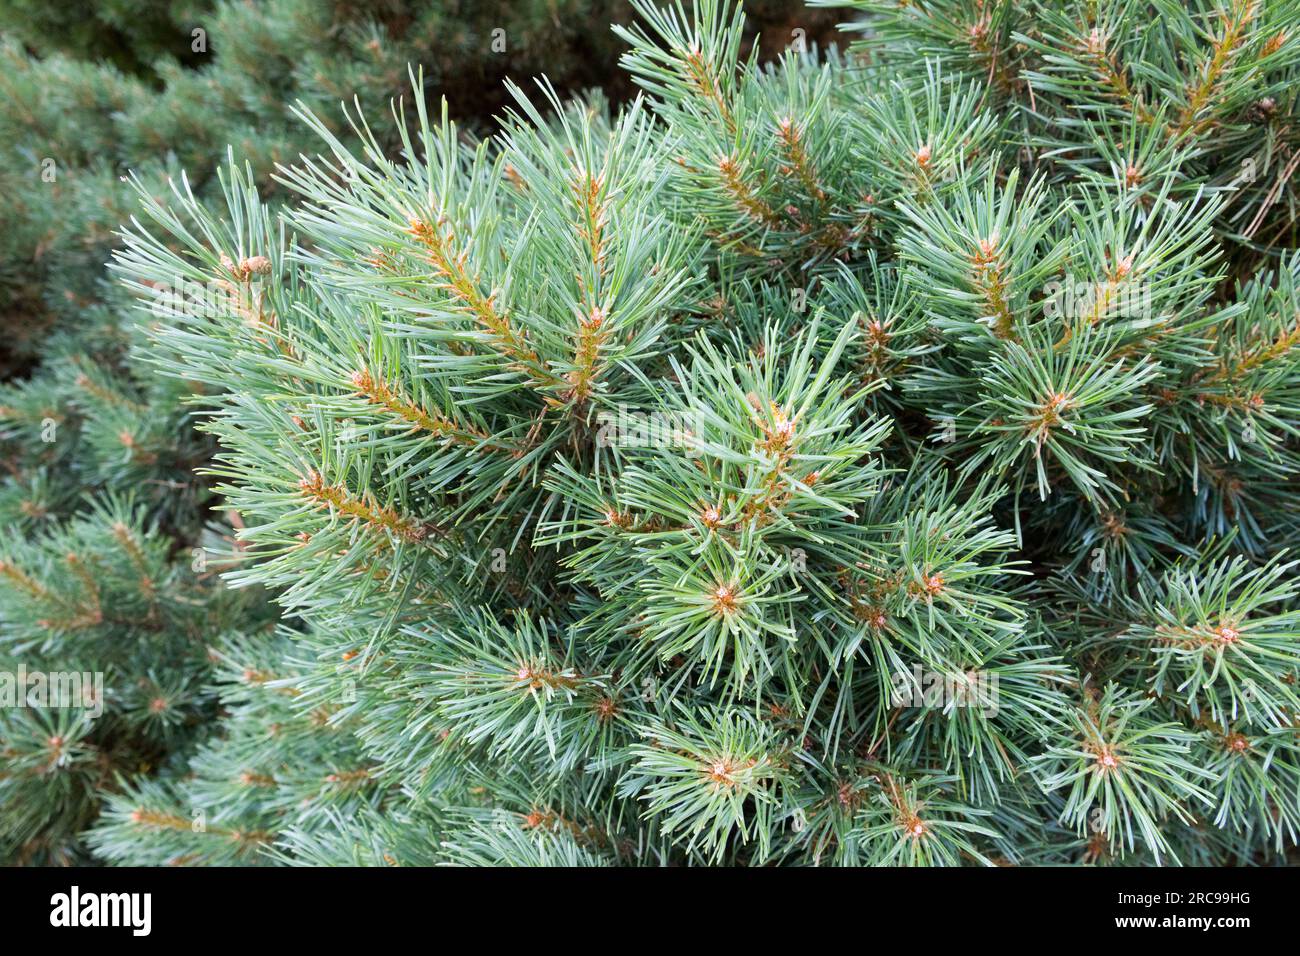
<point x="105" y="566"/>
<point x="886" y="458"/>
<point x="94" y="90"/>
<point x="105" y="580"/>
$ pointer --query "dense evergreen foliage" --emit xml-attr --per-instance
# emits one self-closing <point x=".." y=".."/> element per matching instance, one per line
<point x="872" y="457"/>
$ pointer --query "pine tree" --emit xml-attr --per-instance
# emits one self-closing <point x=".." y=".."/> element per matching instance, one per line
<point x="95" y="91"/>
<point x="103" y="493"/>
<point x="871" y="458"/>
